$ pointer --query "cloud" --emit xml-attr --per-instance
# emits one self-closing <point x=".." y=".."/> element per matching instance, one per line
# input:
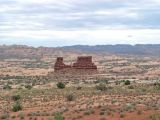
<point x="84" y="37"/>
<point x="79" y="21"/>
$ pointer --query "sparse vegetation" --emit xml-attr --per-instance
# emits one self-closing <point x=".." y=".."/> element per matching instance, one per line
<point x="29" y="87"/>
<point x="16" y="97"/>
<point x="17" y="107"/>
<point x="101" y="87"/>
<point x="127" y="82"/>
<point x="123" y="88"/>
<point x="58" y="116"/>
<point x="70" y="97"/>
<point x="153" y="117"/>
<point x="7" y="87"/>
<point x="4" y="116"/>
<point x="60" y="85"/>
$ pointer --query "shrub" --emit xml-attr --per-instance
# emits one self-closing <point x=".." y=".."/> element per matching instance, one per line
<point x="117" y="82"/>
<point x="13" y="117"/>
<point x="102" y="118"/>
<point x="21" y="116"/>
<point x="102" y="113"/>
<point x="16" y="97"/>
<point x="157" y="85"/>
<point x="153" y="117"/>
<point x="101" y="87"/>
<point x="131" y="87"/>
<point x="58" y="116"/>
<point x="159" y="116"/>
<point x="29" y="87"/>
<point x="87" y="113"/>
<point x="127" y="82"/>
<point x="139" y="112"/>
<point x="4" y="116"/>
<point x="122" y="115"/>
<point x="79" y="88"/>
<point x="128" y="107"/>
<point x="17" y="107"/>
<point x="70" y="97"/>
<point x="7" y="87"/>
<point x="61" y="85"/>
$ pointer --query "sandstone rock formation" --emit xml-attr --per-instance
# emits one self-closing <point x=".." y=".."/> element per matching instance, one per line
<point x="82" y="63"/>
<point x="59" y="65"/>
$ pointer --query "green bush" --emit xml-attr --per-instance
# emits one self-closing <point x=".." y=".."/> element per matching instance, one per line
<point x="153" y="117"/>
<point x="16" y="97"/>
<point x="29" y="87"/>
<point x="58" y="116"/>
<point x="61" y="85"/>
<point x="17" y="107"/>
<point x="127" y="82"/>
<point x="157" y="85"/>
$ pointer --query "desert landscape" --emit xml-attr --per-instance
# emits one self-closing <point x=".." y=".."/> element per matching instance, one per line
<point x="79" y="59"/>
<point x="125" y="86"/>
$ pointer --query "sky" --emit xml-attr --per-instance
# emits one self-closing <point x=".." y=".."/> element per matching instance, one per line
<point x="79" y="22"/>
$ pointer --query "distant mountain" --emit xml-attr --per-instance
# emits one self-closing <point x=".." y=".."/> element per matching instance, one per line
<point x="21" y="51"/>
<point x="139" y="49"/>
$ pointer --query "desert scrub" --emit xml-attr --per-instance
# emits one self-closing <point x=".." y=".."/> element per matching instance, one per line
<point x="21" y="116"/>
<point x="157" y="86"/>
<point x="102" y="118"/>
<point x="29" y="87"/>
<point x="7" y="87"/>
<point x="122" y="115"/>
<point x="101" y="113"/>
<point x="70" y="97"/>
<point x="16" y="107"/>
<point x="153" y="117"/>
<point x="131" y="87"/>
<point x="139" y="112"/>
<point x="101" y="87"/>
<point x="58" y="116"/>
<point x="16" y="97"/>
<point x="4" y="116"/>
<point x="79" y="88"/>
<point x="60" y="85"/>
<point x="128" y="106"/>
<point x="127" y="82"/>
<point x="88" y="112"/>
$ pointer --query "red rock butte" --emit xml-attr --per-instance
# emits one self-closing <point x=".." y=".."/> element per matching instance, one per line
<point x="82" y="63"/>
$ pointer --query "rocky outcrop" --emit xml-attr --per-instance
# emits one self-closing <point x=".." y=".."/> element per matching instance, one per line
<point x="59" y="65"/>
<point x="82" y="63"/>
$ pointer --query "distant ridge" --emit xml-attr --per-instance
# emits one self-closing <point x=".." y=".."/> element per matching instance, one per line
<point x="138" y="49"/>
<point x="23" y="51"/>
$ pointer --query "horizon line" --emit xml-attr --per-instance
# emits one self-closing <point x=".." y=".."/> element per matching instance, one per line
<point x="8" y="45"/>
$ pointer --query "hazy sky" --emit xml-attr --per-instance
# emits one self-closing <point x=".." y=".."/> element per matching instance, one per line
<point x="71" y="22"/>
